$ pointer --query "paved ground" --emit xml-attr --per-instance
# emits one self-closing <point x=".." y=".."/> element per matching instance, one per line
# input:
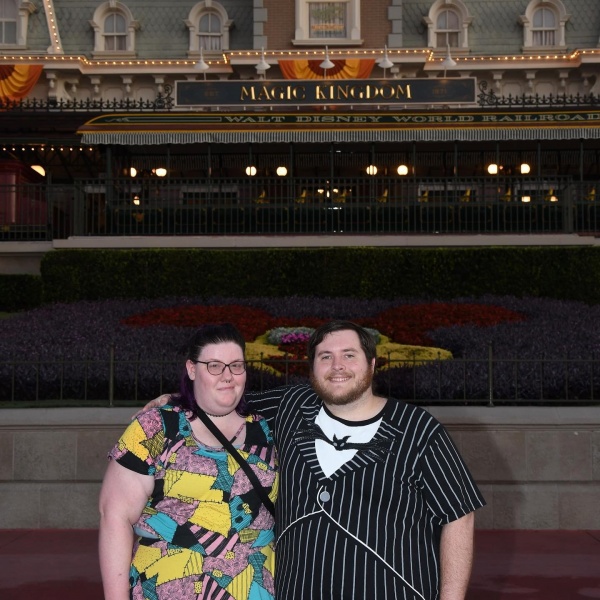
<point x="509" y="565"/>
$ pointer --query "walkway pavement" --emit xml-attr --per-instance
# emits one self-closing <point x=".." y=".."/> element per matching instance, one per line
<point x="509" y="565"/>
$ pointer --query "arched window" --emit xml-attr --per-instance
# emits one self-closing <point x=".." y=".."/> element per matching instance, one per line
<point x="14" y="20"/>
<point x="210" y="31"/>
<point x="328" y="22"/>
<point x="114" y="30"/>
<point x="544" y="27"/>
<point x="544" y="24"/>
<point x="209" y="27"/>
<point x="448" y="29"/>
<point x="448" y="24"/>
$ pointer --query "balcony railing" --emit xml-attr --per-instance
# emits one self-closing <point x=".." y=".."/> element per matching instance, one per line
<point x="362" y="205"/>
<point x="487" y="380"/>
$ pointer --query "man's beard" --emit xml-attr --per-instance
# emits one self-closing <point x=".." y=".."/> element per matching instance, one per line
<point x="360" y="387"/>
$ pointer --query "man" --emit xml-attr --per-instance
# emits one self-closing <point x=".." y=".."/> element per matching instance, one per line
<point x="375" y="501"/>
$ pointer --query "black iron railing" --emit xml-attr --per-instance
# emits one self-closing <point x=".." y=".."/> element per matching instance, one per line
<point x="217" y="206"/>
<point x="487" y="380"/>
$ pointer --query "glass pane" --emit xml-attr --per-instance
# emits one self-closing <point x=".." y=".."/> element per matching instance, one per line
<point x="120" y="24"/>
<point x="210" y="42"/>
<point x="8" y="10"/>
<point x="544" y="17"/>
<point x="210" y="23"/>
<point x="8" y="33"/>
<point x="115" y="24"/>
<point x="327" y="20"/>
<point x="448" y="19"/>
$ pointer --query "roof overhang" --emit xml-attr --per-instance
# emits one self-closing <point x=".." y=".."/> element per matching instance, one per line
<point x="334" y="126"/>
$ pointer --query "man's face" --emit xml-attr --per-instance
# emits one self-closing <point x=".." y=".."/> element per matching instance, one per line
<point x="340" y="372"/>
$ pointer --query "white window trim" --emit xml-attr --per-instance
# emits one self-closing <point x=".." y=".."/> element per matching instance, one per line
<point x="193" y="22"/>
<point x="97" y="24"/>
<point x="24" y="9"/>
<point x="302" y="29"/>
<point x="463" y="14"/>
<point x="558" y="8"/>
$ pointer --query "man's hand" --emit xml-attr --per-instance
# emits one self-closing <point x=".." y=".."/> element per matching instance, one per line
<point x="156" y="403"/>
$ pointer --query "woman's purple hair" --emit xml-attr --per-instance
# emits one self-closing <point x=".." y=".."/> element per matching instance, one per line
<point x="207" y="334"/>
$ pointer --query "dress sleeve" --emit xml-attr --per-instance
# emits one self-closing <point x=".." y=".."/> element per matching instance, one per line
<point x="138" y="447"/>
<point x="449" y="488"/>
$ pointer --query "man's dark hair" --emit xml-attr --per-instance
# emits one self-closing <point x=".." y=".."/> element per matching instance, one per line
<point x="367" y="342"/>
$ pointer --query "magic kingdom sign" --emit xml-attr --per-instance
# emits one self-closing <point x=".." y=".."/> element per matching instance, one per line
<point x="356" y="92"/>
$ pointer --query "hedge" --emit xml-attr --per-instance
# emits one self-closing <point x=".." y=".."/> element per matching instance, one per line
<point x="20" y="292"/>
<point x="571" y="273"/>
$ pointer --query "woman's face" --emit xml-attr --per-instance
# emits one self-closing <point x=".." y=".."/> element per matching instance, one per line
<point x="217" y="394"/>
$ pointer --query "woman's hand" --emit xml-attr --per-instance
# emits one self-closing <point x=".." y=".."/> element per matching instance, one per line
<point x="156" y="403"/>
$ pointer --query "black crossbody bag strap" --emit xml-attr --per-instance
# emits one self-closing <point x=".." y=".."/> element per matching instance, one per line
<point x="260" y="490"/>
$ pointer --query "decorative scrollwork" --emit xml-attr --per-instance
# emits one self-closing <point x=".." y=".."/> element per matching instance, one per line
<point x="164" y="101"/>
<point x="486" y="98"/>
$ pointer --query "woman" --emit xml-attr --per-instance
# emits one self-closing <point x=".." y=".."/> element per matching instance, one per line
<point x="179" y="517"/>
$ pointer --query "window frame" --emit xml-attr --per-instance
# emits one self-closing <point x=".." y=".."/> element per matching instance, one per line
<point x="352" y="22"/>
<point x="557" y="8"/>
<point x="98" y="24"/>
<point x="24" y="8"/>
<point x="464" y="20"/>
<point x="193" y="24"/>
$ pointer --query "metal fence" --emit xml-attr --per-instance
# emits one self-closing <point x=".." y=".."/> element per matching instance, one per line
<point x="362" y="205"/>
<point x="488" y="380"/>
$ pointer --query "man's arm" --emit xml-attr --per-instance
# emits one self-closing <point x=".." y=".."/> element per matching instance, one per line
<point x="265" y="402"/>
<point x="456" y="556"/>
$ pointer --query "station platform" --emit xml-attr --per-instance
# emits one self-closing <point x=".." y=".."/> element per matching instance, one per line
<point x="62" y="564"/>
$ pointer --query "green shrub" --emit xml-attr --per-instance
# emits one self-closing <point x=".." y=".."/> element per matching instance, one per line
<point x="571" y="273"/>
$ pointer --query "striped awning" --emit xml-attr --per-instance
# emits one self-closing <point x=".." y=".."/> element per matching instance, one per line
<point x="336" y="126"/>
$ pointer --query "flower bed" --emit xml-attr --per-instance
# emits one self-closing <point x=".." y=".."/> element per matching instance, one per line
<point x="65" y="349"/>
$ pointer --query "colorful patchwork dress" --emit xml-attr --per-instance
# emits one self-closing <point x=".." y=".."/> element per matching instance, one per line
<point x="204" y="533"/>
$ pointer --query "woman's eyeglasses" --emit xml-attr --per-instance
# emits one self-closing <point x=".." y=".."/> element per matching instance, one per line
<point x="216" y="367"/>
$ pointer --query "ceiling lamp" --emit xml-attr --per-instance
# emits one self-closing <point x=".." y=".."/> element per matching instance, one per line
<point x="201" y="65"/>
<point x="448" y="62"/>
<point x="326" y="64"/>
<point x="262" y="65"/>
<point x="402" y="170"/>
<point x="385" y="63"/>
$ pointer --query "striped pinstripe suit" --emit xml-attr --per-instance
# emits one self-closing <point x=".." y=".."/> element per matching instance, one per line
<point x="372" y="529"/>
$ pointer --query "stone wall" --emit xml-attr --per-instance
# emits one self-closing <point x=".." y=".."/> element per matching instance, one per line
<point x="539" y="468"/>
